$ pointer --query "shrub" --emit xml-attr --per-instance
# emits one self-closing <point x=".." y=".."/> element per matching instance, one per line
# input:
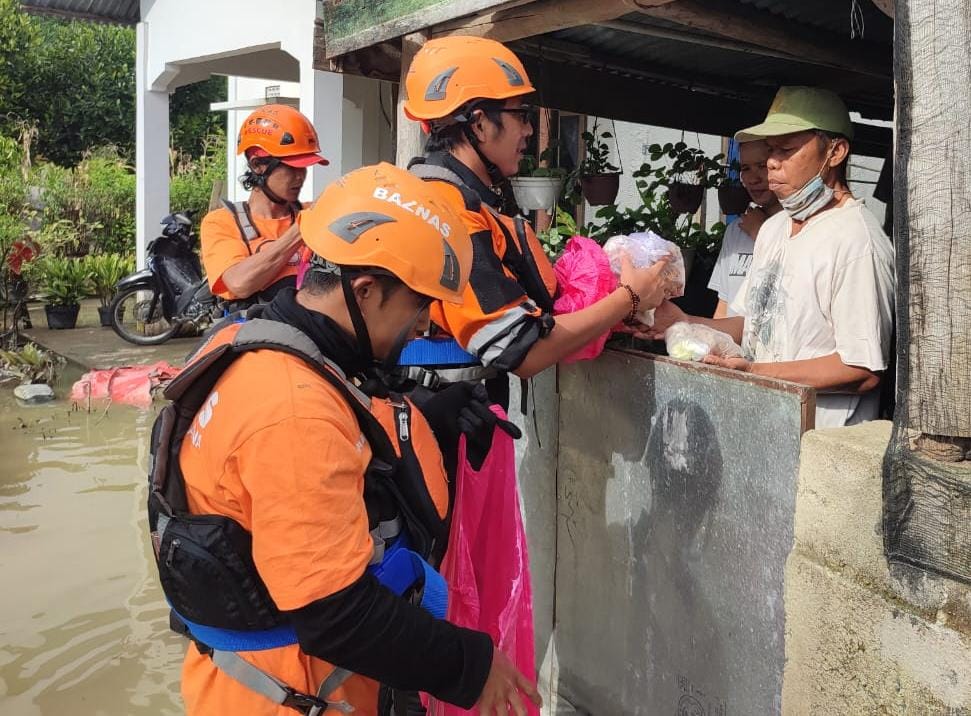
<point x="90" y="207"/>
<point x="106" y="271"/>
<point x="62" y="281"/>
<point x="193" y="179"/>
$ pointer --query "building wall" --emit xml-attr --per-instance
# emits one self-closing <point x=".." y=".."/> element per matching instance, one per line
<point x="864" y="637"/>
<point x="364" y="135"/>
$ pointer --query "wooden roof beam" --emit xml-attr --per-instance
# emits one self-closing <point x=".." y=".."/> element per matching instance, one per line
<point x="776" y="34"/>
<point x="541" y="17"/>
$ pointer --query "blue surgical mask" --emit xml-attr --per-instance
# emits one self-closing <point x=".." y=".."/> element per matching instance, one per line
<point x="812" y="198"/>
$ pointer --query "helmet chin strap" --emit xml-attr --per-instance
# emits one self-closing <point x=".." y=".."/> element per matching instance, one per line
<point x="500" y="182"/>
<point x="259" y="180"/>
<point x="357" y="319"/>
<point x="379" y="376"/>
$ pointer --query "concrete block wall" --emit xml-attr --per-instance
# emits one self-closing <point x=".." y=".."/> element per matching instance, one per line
<point x="863" y="637"/>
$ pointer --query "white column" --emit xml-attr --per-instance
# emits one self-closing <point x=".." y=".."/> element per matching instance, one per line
<point x="151" y="151"/>
<point x="322" y="100"/>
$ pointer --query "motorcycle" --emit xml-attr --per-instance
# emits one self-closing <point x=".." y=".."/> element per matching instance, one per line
<point x="171" y="295"/>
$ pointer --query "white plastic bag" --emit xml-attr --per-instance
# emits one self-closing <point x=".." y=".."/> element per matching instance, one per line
<point x="692" y="341"/>
<point x="646" y="249"/>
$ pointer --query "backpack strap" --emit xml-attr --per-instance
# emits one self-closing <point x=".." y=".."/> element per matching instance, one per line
<point x="433" y="172"/>
<point x="244" y="221"/>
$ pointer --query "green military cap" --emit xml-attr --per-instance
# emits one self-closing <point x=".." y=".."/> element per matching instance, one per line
<point x="798" y="109"/>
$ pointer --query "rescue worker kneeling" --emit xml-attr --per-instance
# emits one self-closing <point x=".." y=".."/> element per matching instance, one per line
<point x="296" y="519"/>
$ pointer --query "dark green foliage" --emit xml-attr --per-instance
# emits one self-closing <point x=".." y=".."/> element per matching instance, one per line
<point x="75" y="82"/>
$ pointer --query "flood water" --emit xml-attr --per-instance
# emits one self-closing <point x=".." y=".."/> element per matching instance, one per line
<point x="83" y="624"/>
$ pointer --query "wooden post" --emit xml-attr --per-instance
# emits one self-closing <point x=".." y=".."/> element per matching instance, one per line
<point x="932" y="194"/>
<point x="927" y="475"/>
<point x="409" y="140"/>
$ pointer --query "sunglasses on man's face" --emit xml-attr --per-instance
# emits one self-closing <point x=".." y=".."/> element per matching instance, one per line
<point x="523" y="112"/>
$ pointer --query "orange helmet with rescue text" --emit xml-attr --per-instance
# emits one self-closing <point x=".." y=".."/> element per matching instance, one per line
<point x="448" y="72"/>
<point x="278" y="130"/>
<point x="384" y="217"/>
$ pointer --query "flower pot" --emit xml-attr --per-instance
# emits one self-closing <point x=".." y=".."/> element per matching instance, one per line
<point x="104" y="313"/>
<point x="685" y="198"/>
<point x="733" y="198"/>
<point x="536" y="192"/>
<point x="600" y="189"/>
<point x="689" y="261"/>
<point x="62" y="316"/>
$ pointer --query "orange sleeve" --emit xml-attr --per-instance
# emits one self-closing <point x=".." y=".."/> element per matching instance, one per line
<point x="496" y="320"/>
<point x="222" y="247"/>
<point x="304" y="478"/>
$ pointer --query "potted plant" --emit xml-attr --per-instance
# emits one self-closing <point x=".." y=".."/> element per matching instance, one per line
<point x="106" y="271"/>
<point x="733" y="198"/>
<point x="690" y="174"/>
<point x="599" y="179"/>
<point x="538" y="186"/>
<point x="63" y="282"/>
<point x="658" y="214"/>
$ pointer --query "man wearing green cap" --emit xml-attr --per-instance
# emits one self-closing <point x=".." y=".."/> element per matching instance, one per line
<point x="817" y="305"/>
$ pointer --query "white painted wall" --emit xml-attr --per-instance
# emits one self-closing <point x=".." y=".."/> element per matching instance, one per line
<point x="187" y="37"/>
<point x="255" y="43"/>
<point x="632" y="142"/>
<point x="354" y="132"/>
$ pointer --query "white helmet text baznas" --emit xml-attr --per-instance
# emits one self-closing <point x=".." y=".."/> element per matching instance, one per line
<point x="415" y="208"/>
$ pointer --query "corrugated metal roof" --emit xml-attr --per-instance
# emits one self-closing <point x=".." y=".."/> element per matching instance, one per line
<point x="662" y="50"/>
<point x="125" y="12"/>
<point x="831" y="15"/>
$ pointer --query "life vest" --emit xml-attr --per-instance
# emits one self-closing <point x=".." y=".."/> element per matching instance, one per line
<point x="244" y="220"/>
<point x="205" y="562"/>
<point x="523" y="255"/>
<point x="249" y="233"/>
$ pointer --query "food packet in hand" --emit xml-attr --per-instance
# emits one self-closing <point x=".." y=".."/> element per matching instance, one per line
<point x="644" y="250"/>
<point x="692" y="341"/>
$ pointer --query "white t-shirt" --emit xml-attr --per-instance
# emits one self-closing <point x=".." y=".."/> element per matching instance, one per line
<point x="827" y="290"/>
<point x="732" y="265"/>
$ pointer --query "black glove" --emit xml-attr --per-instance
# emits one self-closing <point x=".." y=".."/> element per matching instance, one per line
<point x="462" y="409"/>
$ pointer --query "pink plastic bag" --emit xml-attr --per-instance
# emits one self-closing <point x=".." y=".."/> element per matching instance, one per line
<point x="584" y="277"/>
<point x="487" y="563"/>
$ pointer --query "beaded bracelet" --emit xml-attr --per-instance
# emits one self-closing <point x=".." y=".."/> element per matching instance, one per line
<point x="635" y="302"/>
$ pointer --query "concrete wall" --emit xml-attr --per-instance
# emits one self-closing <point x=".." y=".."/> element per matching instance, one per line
<point x="657" y="551"/>
<point x="862" y="637"/>
<point x="749" y="580"/>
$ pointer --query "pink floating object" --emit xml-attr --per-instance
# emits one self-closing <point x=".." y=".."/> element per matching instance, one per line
<point x="131" y="385"/>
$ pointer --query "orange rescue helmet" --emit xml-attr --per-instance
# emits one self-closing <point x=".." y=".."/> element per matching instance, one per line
<point x="384" y="217"/>
<point x="448" y="72"/>
<point x="278" y="130"/>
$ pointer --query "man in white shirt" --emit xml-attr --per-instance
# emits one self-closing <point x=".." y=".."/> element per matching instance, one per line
<point x="817" y="305"/>
<point x="738" y="245"/>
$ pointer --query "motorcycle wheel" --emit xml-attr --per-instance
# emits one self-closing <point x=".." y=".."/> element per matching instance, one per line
<point x="136" y="316"/>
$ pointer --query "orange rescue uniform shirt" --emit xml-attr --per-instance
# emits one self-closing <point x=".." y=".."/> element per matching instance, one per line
<point x="223" y="246"/>
<point x="277" y="449"/>
<point x="494" y="304"/>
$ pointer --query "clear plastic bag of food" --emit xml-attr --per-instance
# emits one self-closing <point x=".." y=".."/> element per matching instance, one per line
<point x="645" y="249"/>
<point x="692" y="341"/>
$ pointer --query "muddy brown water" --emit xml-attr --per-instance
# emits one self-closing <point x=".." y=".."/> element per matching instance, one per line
<point x="83" y="624"/>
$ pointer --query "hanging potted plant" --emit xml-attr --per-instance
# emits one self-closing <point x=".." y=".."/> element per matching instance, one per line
<point x="106" y="271"/>
<point x="599" y="179"/>
<point x="733" y="198"/>
<point x="691" y="172"/>
<point x="536" y="186"/>
<point x="63" y="283"/>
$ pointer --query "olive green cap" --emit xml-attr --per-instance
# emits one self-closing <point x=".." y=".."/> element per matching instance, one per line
<point x="798" y="109"/>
